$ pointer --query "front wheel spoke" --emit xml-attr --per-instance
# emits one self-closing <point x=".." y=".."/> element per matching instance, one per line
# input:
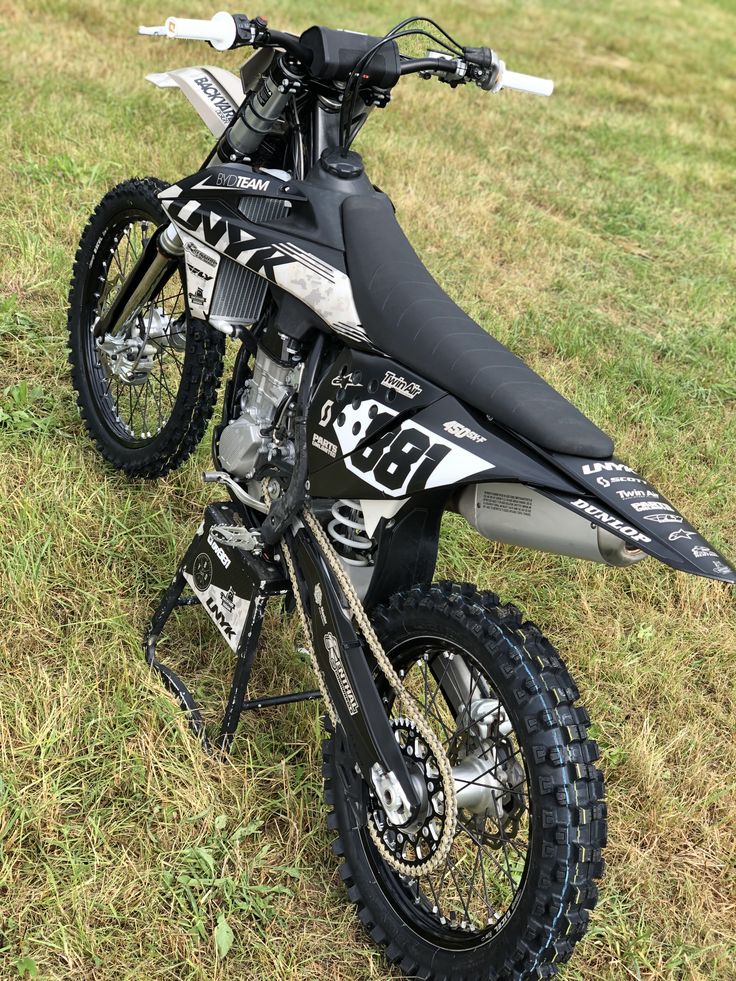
<point x="137" y="403"/>
<point x="172" y="397"/>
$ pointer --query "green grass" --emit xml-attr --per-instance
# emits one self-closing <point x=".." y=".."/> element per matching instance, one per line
<point x="593" y="233"/>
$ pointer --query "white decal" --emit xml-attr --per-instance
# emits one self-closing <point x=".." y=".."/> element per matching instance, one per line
<point x="627" y="495"/>
<point x="606" y="482"/>
<point x="399" y="384"/>
<point x="219" y="552"/>
<point x="721" y="568"/>
<point x="222" y="105"/>
<point x="197" y="253"/>
<point x="609" y="519"/>
<point x="325" y="445"/>
<point x="243" y="183"/>
<point x="608" y="466"/>
<point x="410" y="456"/>
<point x="651" y="506"/>
<point x="346" y="381"/>
<point x="681" y="533"/>
<point x="227" y="611"/>
<point x="324" y="416"/>
<point x="703" y="552"/>
<point x="664" y="519"/>
<point x="333" y="651"/>
<point x="457" y="429"/>
<point x="318" y="604"/>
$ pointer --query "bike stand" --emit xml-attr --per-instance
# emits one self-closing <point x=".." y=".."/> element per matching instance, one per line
<point x="233" y="584"/>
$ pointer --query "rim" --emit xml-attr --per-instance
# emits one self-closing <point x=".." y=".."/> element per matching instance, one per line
<point x="471" y="898"/>
<point x="150" y="350"/>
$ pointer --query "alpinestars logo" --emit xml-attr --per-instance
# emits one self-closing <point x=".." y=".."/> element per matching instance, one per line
<point x="408" y="389"/>
<point x="675" y="536"/>
<point x="333" y="652"/>
<point x="222" y="105"/>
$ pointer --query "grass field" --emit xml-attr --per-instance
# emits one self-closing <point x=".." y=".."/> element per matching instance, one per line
<point x="594" y="234"/>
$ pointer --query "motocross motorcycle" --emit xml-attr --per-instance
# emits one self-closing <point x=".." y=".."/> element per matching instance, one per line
<point x="466" y="806"/>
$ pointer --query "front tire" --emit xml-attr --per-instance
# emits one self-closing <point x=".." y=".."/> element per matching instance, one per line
<point x="149" y="425"/>
<point x="524" y="920"/>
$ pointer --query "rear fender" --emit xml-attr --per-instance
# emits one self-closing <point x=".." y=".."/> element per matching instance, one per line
<point x="614" y="496"/>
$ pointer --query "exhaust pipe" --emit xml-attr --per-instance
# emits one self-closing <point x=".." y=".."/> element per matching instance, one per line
<point x="518" y="515"/>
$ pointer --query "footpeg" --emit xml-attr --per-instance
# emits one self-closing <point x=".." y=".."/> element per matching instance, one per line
<point x="237" y="536"/>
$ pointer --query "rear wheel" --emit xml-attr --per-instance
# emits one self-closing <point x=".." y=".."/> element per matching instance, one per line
<point x="147" y="392"/>
<point x="514" y="893"/>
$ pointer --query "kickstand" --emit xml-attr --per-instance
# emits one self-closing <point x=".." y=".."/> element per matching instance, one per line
<point x="265" y="581"/>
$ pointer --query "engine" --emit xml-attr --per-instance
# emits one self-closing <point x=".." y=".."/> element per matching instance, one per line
<point x="255" y="436"/>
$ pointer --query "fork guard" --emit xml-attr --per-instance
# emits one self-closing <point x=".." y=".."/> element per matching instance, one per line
<point x="155" y="265"/>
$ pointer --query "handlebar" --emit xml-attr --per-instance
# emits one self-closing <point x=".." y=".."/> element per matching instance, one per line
<point x="225" y="31"/>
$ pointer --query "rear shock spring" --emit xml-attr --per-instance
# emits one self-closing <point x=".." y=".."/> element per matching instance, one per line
<point x="347" y="530"/>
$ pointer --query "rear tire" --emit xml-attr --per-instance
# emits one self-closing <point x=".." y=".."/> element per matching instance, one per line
<point x="153" y="442"/>
<point x="563" y="827"/>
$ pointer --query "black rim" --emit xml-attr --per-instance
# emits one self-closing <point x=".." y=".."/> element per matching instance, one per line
<point x="473" y="895"/>
<point x="134" y="413"/>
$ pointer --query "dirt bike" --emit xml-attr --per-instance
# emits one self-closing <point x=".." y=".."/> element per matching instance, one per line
<point x="363" y="404"/>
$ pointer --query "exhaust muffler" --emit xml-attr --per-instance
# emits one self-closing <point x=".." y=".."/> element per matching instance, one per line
<point x="518" y="515"/>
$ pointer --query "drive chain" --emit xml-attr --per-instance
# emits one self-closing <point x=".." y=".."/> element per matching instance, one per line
<point x="409" y="708"/>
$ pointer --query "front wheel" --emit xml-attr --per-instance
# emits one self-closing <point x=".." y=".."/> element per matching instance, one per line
<point x="147" y="392"/>
<point x="514" y="893"/>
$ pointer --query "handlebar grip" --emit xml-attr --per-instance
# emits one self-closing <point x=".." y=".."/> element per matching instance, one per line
<point x="219" y="30"/>
<point x="526" y="83"/>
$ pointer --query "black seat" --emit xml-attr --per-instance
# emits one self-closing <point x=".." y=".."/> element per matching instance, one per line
<point x="408" y="316"/>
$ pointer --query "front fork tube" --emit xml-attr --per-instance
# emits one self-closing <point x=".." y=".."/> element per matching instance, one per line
<point x="341" y="655"/>
<point x="155" y="265"/>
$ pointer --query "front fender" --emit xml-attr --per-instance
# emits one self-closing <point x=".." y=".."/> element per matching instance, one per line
<point x="215" y="93"/>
